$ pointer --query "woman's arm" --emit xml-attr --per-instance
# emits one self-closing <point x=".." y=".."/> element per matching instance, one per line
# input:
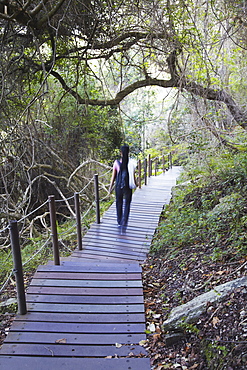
<point x="136" y="184"/>
<point x="113" y="178"/>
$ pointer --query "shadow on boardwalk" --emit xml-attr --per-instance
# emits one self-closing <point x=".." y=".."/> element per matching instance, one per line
<point x="88" y="313"/>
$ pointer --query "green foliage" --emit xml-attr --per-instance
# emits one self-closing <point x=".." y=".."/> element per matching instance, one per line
<point x="36" y="251"/>
<point x="209" y="208"/>
<point x="190" y="328"/>
<point x="80" y="132"/>
<point x="215" y="354"/>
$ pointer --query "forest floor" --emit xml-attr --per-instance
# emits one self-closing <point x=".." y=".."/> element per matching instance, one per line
<point x="218" y="339"/>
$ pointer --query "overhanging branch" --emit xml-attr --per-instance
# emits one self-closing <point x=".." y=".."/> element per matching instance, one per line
<point x="192" y="87"/>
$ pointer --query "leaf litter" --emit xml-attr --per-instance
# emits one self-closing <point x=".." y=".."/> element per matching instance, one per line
<point x="218" y="339"/>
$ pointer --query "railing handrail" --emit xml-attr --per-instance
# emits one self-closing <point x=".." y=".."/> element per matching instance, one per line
<point x="14" y="234"/>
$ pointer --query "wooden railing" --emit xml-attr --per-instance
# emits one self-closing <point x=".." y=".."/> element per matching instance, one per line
<point x="151" y="167"/>
<point x="145" y="168"/>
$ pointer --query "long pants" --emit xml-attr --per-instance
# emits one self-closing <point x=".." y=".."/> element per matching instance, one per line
<point x="123" y="214"/>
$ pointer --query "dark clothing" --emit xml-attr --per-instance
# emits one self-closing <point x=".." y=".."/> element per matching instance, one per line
<point x="122" y="180"/>
<point x="123" y="214"/>
<point x="125" y="182"/>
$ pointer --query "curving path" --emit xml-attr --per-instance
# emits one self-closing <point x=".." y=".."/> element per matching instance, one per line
<point x="88" y="313"/>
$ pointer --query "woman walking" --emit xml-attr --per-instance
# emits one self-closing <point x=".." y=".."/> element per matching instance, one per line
<point x="123" y="172"/>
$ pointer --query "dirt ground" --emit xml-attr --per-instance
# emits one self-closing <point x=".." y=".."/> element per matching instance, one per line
<point x="218" y="339"/>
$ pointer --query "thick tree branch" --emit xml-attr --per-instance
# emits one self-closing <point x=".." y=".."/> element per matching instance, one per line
<point x="38" y="8"/>
<point x="192" y="87"/>
<point x="217" y="95"/>
<point x="51" y="13"/>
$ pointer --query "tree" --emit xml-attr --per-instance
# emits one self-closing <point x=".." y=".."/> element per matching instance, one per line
<point x="176" y="36"/>
<point x="65" y="70"/>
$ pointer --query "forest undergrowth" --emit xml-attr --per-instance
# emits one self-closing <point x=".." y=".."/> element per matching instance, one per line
<point x="201" y="242"/>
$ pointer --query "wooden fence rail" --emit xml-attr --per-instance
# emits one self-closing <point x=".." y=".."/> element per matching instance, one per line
<point x="145" y="169"/>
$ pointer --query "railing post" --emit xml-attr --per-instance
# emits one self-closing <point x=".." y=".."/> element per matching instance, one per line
<point x="18" y="270"/>
<point x="170" y="159"/>
<point x="149" y="166"/>
<point x="139" y="174"/>
<point x="155" y="166"/>
<point x="163" y="163"/>
<point x="54" y="229"/>
<point x="78" y="220"/>
<point x="96" y="189"/>
<point x="145" y="171"/>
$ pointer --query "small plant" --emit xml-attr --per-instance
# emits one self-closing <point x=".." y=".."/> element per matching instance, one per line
<point x="190" y="328"/>
<point x="215" y="354"/>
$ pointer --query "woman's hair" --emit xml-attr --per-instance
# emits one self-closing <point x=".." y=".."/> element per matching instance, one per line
<point x="125" y="156"/>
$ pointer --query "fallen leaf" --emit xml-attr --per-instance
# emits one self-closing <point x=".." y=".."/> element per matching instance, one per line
<point x="118" y="345"/>
<point x="215" y="321"/>
<point x="221" y="272"/>
<point x="151" y="327"/>
<point x="158" y="330"/>
<point x="63" y="340"/>
<point x="156" y="315"/>
<point x="158" y="355"/>
<point x="156" y="337"/>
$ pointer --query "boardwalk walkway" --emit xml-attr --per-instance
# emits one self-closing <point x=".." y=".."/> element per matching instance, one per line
<point x="88" y="313"/>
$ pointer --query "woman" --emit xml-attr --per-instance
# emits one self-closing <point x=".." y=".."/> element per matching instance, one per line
<point x="123" y="173"/>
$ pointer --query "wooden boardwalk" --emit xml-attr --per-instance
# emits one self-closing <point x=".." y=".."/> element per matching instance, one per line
<point x="88" y="313"/>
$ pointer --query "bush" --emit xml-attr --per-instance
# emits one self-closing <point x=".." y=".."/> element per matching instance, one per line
<point x="209" y="207"/>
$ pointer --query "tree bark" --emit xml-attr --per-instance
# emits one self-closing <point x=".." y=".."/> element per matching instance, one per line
<point x="180" y="83"/>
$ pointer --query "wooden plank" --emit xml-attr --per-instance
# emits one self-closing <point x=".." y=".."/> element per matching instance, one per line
<point x="66" y="317"/>
<point x="86" y="339"/>
<point x="56" y="363"/>
<point x="95" y="291"/>
<point x="111" y="221"/>
<point x="116" y="232"/>
<point x="87" y="283"/>
<point x="99" y="238"/>
<point x="138" y="222"/>
<point x="101" y="266"/>
<point x="112" y="228"/>
<point x="54" y="298"/>
<point x="87" y="255"/>
<point x="112" y="252"/>
<point x="118" y="247"/>
<point x="64" y="350"/>
<point x="118" y="239"/>
<point x="113" y="244"/>
<point x="87" y="308"/>
<point x="92" y="268"/>
<point x="83" y="276"/>
<point x="64" y="327"/>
